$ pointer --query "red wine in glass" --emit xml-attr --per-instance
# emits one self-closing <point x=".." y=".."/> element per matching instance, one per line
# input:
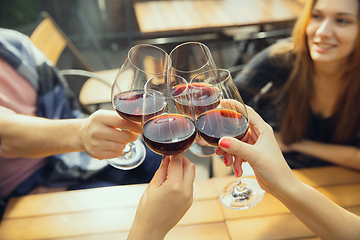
<point x="129" y="105"/>
<point x="177" y="134"/>
<point x="218" y="123"/>
<point x="206" y="99"/>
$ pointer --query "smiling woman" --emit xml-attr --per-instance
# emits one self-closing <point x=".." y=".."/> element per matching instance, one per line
<point x="315" y="77"/>
<point x="332" y="31"/>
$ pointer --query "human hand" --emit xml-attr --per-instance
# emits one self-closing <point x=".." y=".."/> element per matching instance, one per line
<point x="200" y="141"/>
<point x="263" y="154"/>
<point x="166" y="199"/>
<point x="104" y="134"/>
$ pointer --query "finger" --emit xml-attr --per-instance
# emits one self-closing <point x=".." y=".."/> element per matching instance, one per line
<point x="117" y="135"/>
<point x="228" y="159"/>
<point x="175" y="170"/>
<point x="161" y="174"/>
<point x="111" y="146"/>
<point x="237" y="166"/>
<point x="112" y="119"/>
<point x="219" y="151"/>
<point x="252" y="136"/>
<point x="234" y="105"/>
<point x="188" y="172"/>
<point x="199" y="140"/>
<point x="256" y="122"/>
<point x="238" y="148"/>
<point x="101" y="155"/>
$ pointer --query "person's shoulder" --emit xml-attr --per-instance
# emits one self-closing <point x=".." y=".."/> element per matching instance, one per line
<point x="12" y="35"/>
<point x="268" y="58"/>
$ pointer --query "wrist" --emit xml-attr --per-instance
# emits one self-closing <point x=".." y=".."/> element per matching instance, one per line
<point x="79" y="136"/>
<point x="289" y="190"/>
<point x="143" y="231"/>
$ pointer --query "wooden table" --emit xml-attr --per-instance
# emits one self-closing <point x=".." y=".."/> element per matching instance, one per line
<point x="187" y="15"/>
<point x="107" y="213"/>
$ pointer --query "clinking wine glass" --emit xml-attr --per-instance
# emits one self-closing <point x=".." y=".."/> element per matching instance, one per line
<point x="226" y="117"/>
<point x="168" y="126"/>
<point x="188" y="60"/>
<point x="142" y="63"/>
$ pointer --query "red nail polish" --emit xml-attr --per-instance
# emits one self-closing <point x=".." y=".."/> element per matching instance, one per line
<point x="225" y="160"/>
<point x="225" y="143"/>
<point x="237" y="173"/>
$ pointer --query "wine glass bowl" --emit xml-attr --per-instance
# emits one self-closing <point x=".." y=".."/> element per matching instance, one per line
<point x="172" y="130"/>
<point x="221" y="113"/>
<point x="143" y="62"/>
<point x="191" y="58"/>
<point x="187" y="60"/>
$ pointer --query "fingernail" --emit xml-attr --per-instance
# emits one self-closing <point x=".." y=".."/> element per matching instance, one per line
<point x="225" y="143"/>
<point x="237" y="173"/>
<point x="225" y="161"/>
<point x="216" y="152"/>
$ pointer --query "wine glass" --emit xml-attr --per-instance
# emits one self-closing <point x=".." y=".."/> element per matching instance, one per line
<point x="168" y="126"/>
<point x="188" y="60"/>
<point x="226" y="117"/>
<point x="143" y="62"/>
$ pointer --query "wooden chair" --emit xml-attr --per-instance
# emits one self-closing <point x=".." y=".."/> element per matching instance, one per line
<point x="52" y="41"/>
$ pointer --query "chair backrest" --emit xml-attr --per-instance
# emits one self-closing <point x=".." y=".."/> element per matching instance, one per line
<point x="52" y="41"/>
<point x="49" y="40"/>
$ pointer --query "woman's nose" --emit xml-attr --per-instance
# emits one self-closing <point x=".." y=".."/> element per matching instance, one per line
<point x="325" y="29"/>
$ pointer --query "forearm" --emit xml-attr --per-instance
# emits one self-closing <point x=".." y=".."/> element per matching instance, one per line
<point x="27" y="136"/>
<point x="326" y="219"/>
<point x="141" y="232"/>
<point x="339" y="154"/>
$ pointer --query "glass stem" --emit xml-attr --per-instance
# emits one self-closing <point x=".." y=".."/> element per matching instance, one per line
<point x="127" y="151"/>
<point x="241" y="192"/>
<point x="238" y="179"/>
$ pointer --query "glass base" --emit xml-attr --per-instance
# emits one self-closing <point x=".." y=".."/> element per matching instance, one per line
<point x="202" y="151"/>
<point x="242" y="197"/>
<point x="134" y="154"/>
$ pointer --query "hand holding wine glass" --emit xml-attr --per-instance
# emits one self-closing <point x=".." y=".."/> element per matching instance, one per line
<point x="142" y="63"/>
<point x="168" y="126"/>
<point x="164" y="199"/>
<point x="229" y="118"/>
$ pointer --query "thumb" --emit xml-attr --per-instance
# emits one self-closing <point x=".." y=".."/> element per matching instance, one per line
<point x="238" y="148"/>
<point x="161" y="174"/>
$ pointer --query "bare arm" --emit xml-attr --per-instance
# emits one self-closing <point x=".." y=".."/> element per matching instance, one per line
<point x="326" y="219"/>
<point x="28" y="136"/>
<point x="347" y="156"/>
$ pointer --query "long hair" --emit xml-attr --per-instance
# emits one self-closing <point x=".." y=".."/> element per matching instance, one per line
<point x="293" y="100"/>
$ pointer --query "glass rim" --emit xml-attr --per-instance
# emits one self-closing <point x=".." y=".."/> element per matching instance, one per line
<point x="152" y="46"/>
<point x="186" y="43"/>
<point x="214" y="70"/>
<point x="186" y="89"/>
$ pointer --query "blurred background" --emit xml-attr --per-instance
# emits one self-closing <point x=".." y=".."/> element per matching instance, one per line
<point x="104" y="29"/>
